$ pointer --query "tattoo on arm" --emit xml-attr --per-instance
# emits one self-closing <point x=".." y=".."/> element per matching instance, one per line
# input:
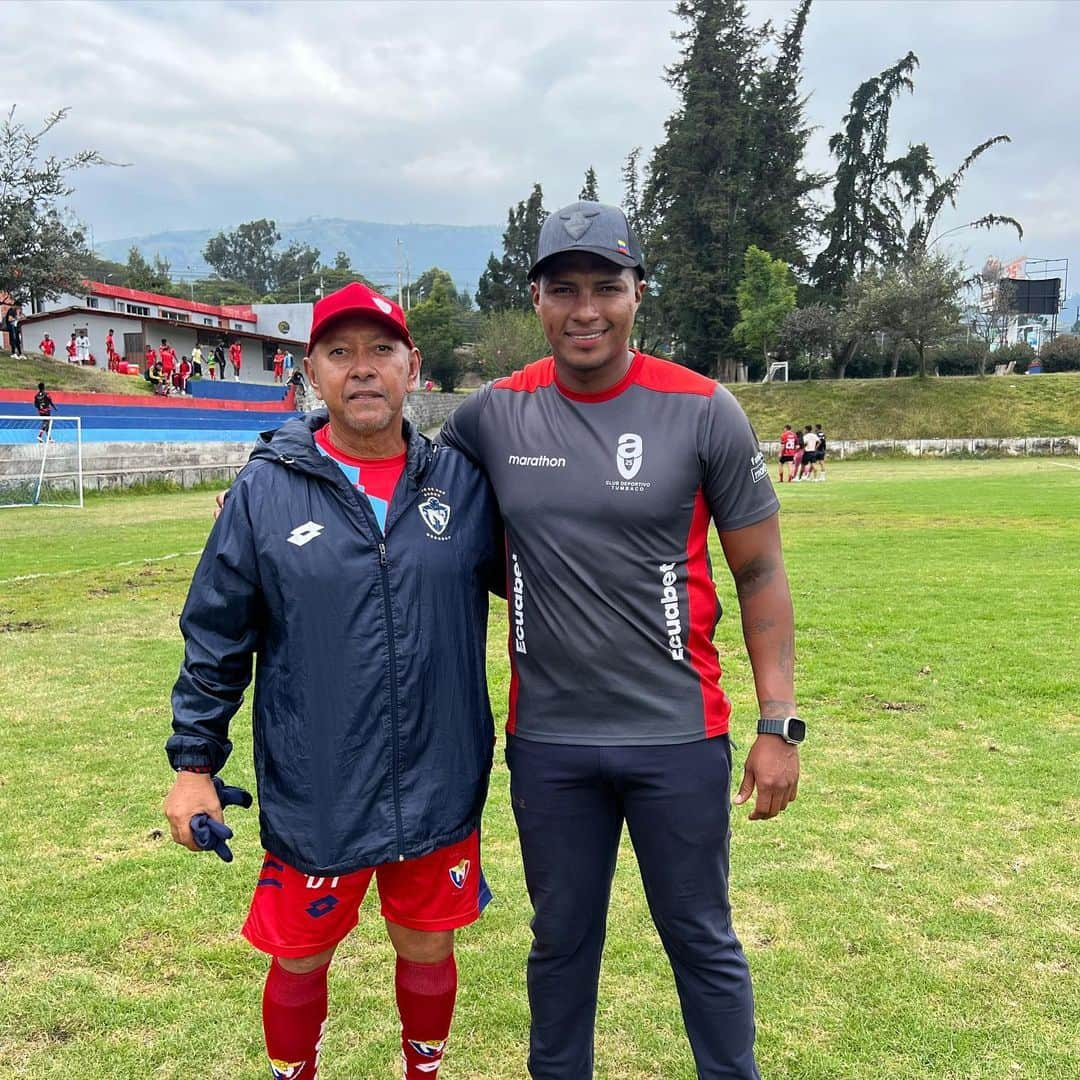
<point x="754" y="575"/>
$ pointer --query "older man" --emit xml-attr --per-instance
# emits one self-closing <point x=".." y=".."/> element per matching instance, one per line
<point x="608" y="466"/>
<point x="350" y="554"/>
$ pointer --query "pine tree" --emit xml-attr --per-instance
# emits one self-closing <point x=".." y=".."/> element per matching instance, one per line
<point x="862" y="226"/>
<point x="588" y="191"/>
<point x="504" y="284"/>
<point x="702" y="181"/>
<point x="779" y="217"/>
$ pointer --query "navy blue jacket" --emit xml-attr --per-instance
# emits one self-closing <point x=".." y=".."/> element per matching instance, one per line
<point x="373" y="730"/>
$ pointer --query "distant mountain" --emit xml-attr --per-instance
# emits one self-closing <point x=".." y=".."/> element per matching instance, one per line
<point x="461" y="250"/>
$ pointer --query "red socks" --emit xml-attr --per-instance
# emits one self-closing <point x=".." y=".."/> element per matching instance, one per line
<point x="294" y="1015"/>
<point x="295" y="1006"/>
<point x="425" y="998"/>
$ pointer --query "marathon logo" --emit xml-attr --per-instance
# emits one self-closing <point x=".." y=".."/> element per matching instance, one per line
<point x="540" y="462"/>
<point x="669" y="599"/>
<point x="519" y="607"/>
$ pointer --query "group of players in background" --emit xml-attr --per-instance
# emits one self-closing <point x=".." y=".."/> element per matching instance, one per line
<point x="802" y="453"/>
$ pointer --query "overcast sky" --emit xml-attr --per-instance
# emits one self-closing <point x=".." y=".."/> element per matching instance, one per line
<point x="448" y="112"/>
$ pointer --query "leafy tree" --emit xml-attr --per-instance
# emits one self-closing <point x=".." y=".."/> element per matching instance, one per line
<point x="421" y="288"/>
<point x="505" y="283"/>
<point x="780" y="217"/>
<point x="701" y="181"/>
<point x="588" y="190"/>
<point x="218" y="291"/>
<point x="293" y="264"/>
<point x="765" y="295"/>
<point x="1061" y="354"/>
<point x="152" y="277"/>
<point x="246" y="254"/>
<point x="437" y="335"/>
<point x="810" y="337"/>
<point x="41" y="254"/>
<point x="508" y="340"/>
<point x="917" y="300"/>
<point x="342" y="261"/>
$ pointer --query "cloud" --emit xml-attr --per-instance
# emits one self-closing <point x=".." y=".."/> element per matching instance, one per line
<point x="449" y="112"/>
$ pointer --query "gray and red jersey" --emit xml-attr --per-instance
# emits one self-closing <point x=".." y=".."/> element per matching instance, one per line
<point x="607" y="500"/>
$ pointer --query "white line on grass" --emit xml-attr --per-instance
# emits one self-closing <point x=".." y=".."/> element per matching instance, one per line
<point x="1064" y="465"/>
<point x="96" y="566"/>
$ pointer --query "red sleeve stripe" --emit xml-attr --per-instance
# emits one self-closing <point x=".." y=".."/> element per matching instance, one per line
<point x="701" y="599"/>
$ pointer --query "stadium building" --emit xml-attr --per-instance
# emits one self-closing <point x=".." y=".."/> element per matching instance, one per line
<point x="138" y="319"/>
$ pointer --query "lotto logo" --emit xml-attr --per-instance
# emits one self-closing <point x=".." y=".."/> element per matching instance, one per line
<point x="304" y="534"/>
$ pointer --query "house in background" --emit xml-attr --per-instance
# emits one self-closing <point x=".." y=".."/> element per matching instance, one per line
<point x="138" y="319"/>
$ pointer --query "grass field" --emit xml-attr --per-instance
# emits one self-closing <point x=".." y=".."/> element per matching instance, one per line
<point x="913" y="915"/>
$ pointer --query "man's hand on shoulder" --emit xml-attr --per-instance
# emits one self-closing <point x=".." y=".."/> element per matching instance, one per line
<point x="191" y="794"/>
<point x="772" y="767"/>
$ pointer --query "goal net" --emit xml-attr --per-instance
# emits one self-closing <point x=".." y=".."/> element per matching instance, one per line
<point x="41" y="461"/>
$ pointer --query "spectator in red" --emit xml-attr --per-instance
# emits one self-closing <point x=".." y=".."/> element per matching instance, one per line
<point x="183" y="373"/>
<point x="72" y="348"/>
<point x="151" y="357"/>
<point x="47" y="345"/>
<point x="279" y="365"/>
<point x="236" y="356"/>
<point x="168" y="359"/>
<point x="110" y="351"/>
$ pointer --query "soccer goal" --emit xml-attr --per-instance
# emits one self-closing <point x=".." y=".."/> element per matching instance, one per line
<point x="41" y="461"/>
<point x="777" y="370"/>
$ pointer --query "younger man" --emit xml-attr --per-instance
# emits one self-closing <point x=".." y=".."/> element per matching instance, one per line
<point x="47" y="346"/>
<point x="236" y="355"/>
<point x="353" y="559"/>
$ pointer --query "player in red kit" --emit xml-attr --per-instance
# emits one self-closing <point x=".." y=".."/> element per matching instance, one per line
<point x="279" y="365"/>
<point x="47" y="345"/>
<point x="789" y="442"/>
<point x="236" y="356"/>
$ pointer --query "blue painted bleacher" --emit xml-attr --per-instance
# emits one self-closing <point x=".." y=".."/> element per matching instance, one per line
<point x="224" y="390"/>
<point x="127" y="423"/>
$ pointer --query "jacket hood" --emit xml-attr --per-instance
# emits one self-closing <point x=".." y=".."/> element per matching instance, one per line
<point x="294" y="444"/>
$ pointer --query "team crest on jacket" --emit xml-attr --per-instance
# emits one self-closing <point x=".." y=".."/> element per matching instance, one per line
<point x="285" y="1070"/>
<point x="435" y="512"/>
<point x="459" y="873"/>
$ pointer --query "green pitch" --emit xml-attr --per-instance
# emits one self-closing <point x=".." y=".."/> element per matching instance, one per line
<point x="912" y="916"/>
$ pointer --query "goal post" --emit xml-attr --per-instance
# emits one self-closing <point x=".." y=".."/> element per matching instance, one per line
<point x="778" y="369"/>
<point x="41" y="461"/>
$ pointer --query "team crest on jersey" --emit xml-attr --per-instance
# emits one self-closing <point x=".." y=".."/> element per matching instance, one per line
<point x="459" y="873"/>
<point x="285" y="1070"/>
<point x="629" y="454"/>
<point x="428" y="1049"/>
<point x="436" y="513"/>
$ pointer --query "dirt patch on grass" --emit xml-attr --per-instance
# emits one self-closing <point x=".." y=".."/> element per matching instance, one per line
<point x="21" y="626"/>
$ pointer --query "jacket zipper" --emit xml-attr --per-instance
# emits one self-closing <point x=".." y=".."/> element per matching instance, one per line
<point x="395" y="746"/>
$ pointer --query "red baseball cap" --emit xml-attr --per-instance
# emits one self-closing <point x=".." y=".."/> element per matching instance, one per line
<point x="358" y="299"/>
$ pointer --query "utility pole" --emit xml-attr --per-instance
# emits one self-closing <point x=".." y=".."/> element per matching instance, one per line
<point x="398" y="263"/>
<point x="298" y="300"/>
<point x="408" y="284"/>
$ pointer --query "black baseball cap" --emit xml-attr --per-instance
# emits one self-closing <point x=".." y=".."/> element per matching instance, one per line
<point x="592" y="227"/>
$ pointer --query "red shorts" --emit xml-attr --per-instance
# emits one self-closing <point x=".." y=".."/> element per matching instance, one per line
<point x="294" y="914"/>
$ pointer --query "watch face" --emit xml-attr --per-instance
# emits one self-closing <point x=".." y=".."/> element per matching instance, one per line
<point x="796" y="729"/>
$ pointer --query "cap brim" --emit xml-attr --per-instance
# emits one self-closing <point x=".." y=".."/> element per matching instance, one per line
<point x="606" y="254"/>
<point x="376" y="316"/>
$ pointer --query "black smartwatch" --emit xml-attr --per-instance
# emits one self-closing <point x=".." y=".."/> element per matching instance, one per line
<point x="791" y="729"/>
